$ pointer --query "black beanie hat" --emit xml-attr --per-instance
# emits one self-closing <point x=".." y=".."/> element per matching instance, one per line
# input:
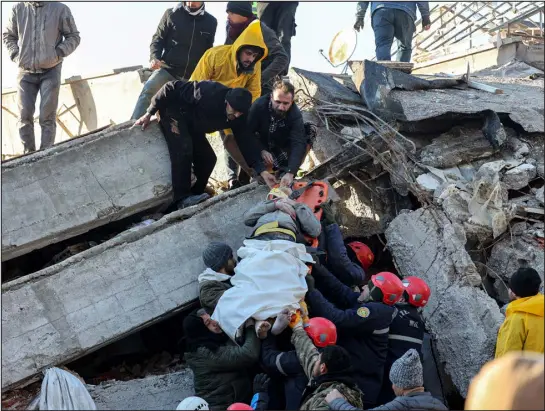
<point x="216" y="255"/>
<point x="525" y="282"/>
<point x="240" y="99"/>
<point x="242" y="8"/>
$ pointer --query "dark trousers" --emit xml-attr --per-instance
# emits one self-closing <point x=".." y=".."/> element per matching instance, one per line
<point x="389" y="23"/>
<point x="280" y="17"/>
<point x="48" y="84"/>
<point x="186" y="149"/>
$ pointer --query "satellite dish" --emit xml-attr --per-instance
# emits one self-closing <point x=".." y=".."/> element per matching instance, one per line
<point x="343" y="46"/>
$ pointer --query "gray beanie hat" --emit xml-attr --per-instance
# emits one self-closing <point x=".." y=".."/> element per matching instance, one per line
<point x="216" y="255"/>
<point x="406" y="372"/>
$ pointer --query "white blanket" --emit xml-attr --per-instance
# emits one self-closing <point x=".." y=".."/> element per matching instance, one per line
<point x="270" y="276"/>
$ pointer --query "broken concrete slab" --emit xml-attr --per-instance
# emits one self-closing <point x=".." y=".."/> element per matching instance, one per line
<point x="322" y="87"/>
<point x="508" y="254"/>
<point x="456" y="146"/>
<point x="326" y="145"/>
<point x="462" y="319"/>
<point x="102" y="294"/>
<point x="81" y="184"/>
<point x="158" y="392"/>
<point x="540" y="195"/>
<point x="522" y="103"/>
<point x="519" y="177"/>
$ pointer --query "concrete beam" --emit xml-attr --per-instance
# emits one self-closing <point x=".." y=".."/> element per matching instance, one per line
<point x="158" y="392"/>
<point x="129" y="282"/>
<point x="81" y="184"/>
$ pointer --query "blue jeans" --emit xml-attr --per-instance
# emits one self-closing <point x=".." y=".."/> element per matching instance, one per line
<point x="389" y="23"/>
<point x="157" y="80"/>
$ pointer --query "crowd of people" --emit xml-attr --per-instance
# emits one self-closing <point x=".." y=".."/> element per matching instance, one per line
<point x="355" y="341"/>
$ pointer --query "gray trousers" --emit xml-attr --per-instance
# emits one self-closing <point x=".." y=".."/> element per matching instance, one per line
<point x="28" y="86"/>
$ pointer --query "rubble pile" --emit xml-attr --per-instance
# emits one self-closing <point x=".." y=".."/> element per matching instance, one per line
<point x="462" y="206"/>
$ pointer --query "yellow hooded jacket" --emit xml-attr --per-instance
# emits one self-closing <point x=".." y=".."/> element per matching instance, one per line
<point x="220" y="63"/>
<point x="523" y="328"/>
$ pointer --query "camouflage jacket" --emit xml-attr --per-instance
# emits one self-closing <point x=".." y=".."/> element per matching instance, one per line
<point x="318" y="388"/>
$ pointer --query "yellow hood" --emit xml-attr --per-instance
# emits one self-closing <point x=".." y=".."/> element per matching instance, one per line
<point x="252" y="36"/>
<point x="531" y="305"/>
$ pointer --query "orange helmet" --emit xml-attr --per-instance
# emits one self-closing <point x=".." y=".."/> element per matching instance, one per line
<point x="322" y="331"/>
<point x="239" y="406"/>
<point x="417" y="290"/>
<point x="363" y="253"/>
<point x="390" y="285"/>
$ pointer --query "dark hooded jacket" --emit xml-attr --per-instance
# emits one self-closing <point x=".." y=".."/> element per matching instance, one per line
<point x="181" y="40"/>
<point x="362" y="328"/>
<point x="220" y="367"/>
<point x="338" y="261"/>
<point x="201" y="106"/>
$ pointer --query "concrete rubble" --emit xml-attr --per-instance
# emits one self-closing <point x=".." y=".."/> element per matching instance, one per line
<point x="161" y="392"/>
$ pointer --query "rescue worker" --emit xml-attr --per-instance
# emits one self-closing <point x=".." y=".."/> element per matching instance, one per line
<point x="393" y="19"/>
<point x="283" y="365"/>
<point x="260" y="400"/>
<point x="193" y="403"/>
<point x="239" y="17"/>
<point x="189" y="110"/>
<point x="327" y="369"/>
<point x="216" y="279"/>
<point x="220" y="367"/>
<point x="280" y="16"/>
<point x="279" y="218"/>
<point x="407" y="329"/>
<point x="349" y="264"/>
<point x="39" y="49"/>
<point x="523" y="329"/>
<point x="184" y="33"/>
<point x="362" y="321"/>
<point x="237" y="65"/>
<point x="407" y="380"/>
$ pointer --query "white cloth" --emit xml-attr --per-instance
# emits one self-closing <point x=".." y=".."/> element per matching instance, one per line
<point x="270" y="276"/>
<point x="63" y="391"/>
<point x="211" y="275"/>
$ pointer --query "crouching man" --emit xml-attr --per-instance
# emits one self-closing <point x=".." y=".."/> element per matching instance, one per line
<point x="187" y="111"/>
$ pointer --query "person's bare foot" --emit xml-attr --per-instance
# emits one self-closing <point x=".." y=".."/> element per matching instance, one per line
<point x="282" y="321"/>
<point x="262" y="328"/>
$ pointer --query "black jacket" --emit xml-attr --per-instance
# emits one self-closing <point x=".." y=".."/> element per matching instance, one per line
<point x="362" y="329"/>
<point x="201" y="105"/>
<point x="284" y="365"/>
<point x="289" y="136"/>
<point x="181" y="40"/>
<point x="406" y="332"/>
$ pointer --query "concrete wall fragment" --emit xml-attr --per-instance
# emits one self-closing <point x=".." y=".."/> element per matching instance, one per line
<point x="462" y="319"/>
<point x="100" y="295"/>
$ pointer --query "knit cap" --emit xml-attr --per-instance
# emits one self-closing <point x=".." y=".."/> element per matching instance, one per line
<point x="239" y="99"/>
<point x="242" y="8"/>
<point x="406" y="372"/>
<point x="216" y="255"/>
<point x="525" y="282"/>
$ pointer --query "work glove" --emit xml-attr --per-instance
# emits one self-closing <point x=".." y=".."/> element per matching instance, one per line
<point x="328" y="213"/>
<point x="304" y="313"/>
<point x="296" y="321"/>
<point x="311" y="283"/>
<point x="261" y="383"/>
<point x="358" y="25"/>
<point x="426" y="22"/>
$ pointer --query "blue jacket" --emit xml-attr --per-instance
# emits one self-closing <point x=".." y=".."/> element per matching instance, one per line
<point x="349" y="272"/>
<point x="407" y="6"/>
<point x="285" y="366"/>
<point x="406" y="332"/>
<point x="362" y="329"/>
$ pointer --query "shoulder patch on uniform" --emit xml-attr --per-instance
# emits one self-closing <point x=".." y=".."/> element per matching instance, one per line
<point x="363" y="312"/>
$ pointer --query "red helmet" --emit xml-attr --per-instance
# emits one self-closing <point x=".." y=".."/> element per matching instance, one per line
<point x="418" y="291"/>
<point x="390" y="285"/>
<point x="322" y="331"/>
<point x="239" y="406"/>
<point x="363" y="253"/>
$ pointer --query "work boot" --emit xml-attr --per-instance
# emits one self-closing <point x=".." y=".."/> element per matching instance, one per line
<point x="234" y="184"/>
<point x="192" y="200"/>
